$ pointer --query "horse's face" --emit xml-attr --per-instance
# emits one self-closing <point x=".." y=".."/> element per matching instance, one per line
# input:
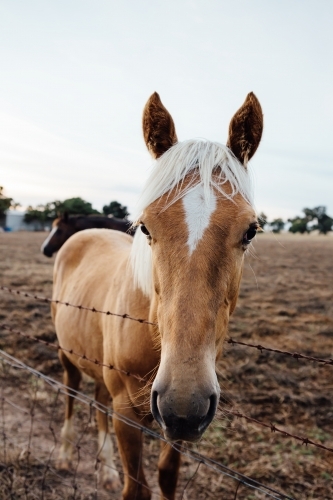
<point x="60" y="232"/>
<point x="197" y="255"/>
<point x="195" y="291"/>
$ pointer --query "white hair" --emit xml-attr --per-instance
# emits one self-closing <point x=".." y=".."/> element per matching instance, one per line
<point x="210" y="164"/>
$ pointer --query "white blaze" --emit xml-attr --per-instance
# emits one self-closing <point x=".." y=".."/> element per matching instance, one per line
<point x="198" y="212"/>
<point x="48" y="238"/>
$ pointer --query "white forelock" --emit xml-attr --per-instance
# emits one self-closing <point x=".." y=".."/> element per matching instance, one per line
<point x="210" y="164"/>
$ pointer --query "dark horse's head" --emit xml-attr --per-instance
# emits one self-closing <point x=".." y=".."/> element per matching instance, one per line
<point x="62" y="228"/>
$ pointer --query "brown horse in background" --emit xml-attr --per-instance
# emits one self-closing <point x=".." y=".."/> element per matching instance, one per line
<point x="65" y="226"/>
<point x="181" y="271"/>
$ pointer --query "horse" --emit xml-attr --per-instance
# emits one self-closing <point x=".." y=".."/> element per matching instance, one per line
<point x="182" y="272"/>
<point x="65" y="226"/>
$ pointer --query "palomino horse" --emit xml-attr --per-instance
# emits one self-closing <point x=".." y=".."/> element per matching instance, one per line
<point x="65" y="226"/>
<point x="196" y="220"/>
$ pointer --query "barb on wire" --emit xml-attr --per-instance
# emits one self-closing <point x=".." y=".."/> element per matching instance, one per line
<point x="273" y="428"/>
<point x="3" y="326"/>
<point x="295" y="355"/>
<point x="201" y="459"/>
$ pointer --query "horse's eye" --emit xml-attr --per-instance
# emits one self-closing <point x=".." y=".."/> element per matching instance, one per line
<point x="144" y="230"/>
<point x="249" y="235"/>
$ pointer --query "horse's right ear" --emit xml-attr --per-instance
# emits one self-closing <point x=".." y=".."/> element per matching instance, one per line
<point x="245" y="129"/>
<point x="65" y="217"/>
<point x="158" y="127"/>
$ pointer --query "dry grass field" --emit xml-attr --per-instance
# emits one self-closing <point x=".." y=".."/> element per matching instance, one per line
<point x="286" y="302"/>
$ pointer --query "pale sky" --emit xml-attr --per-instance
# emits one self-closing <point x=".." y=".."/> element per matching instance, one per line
<point x="75" y="76"/>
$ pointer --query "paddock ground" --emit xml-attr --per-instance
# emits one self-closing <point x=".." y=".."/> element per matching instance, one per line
<point x="286" y="302"/>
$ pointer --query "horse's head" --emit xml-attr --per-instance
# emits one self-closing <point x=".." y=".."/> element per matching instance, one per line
<point x="62" y="228"/>
<point x="197" y="218"/>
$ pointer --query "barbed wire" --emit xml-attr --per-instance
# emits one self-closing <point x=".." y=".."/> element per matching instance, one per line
<point x="4" y="326"/>
<point x="62" y="389"/>
<point x="272" y="427"/>
<point x="260" y="347"/>
<point x="68" y="304"/>
<point x="201" y="459"/>
<point x="295" y="355"/>
<point x="76" y="444"/>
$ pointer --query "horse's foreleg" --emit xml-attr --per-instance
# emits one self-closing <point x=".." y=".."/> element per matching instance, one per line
<point x="130" y="446"/>
<point x="109" y="474"/>
<point x="72" y="378"/>
<point x="168" y="467"/>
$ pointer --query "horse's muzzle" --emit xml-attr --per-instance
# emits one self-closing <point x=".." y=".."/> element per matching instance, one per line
<point x="47" y="252"/>
<point x="184" y="428"/>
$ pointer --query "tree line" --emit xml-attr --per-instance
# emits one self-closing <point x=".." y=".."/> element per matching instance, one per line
<point x="45" y="214"/>
<point x="314" y="219"/>
<point x="72" y="206"/>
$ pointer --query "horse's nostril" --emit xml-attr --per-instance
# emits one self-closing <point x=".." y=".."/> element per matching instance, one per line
<point x="155" y="411"/>
<point x="210" y="414"/>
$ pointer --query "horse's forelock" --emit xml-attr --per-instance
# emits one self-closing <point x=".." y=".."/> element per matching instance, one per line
<point x="56" y="221"/>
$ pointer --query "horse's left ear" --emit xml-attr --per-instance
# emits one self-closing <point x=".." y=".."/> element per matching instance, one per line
<point x="245" y="129"/>
<point x="65" y="216"/>
<point x="158" y="127"/>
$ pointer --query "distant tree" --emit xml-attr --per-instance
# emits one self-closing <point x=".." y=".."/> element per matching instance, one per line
<point x="299" y="225"/>
<point x="262" y="219"/>
<point x="41" y="214"/>
<point x="44" y="214"/>
<point x="6" y="203"/>
<point x="324" y="222"/>
<point x="314" y="218"/>
<point x="76" y="206"/>
<point x="116" y="209"/>
<point x="277" y="225"/>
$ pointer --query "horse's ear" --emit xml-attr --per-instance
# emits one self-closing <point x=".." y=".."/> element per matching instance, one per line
<point x="65" y="217"/>
<point x="245" y="129"/>
<point x="158" y="127"/>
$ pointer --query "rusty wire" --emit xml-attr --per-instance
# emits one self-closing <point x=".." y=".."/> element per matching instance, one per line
<point x="261" y="348"/>
<point x="273" y="428"/>
<point x="81" y="307"/>
<point x="197" y="457"/>
<point x="295" y="355"/>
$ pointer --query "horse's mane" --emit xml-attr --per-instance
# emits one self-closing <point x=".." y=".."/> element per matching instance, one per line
<point x="210" y="164"/>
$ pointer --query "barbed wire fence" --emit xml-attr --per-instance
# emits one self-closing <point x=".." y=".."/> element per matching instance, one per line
<point x="261" y="348"/>
<point x="36" y="460"/>
<point x="34" y="416"/>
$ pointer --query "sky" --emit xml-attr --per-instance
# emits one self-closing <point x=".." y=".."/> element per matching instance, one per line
<point x="75" y="76"/>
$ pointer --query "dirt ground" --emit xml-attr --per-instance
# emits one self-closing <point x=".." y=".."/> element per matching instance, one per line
<point x="286" y="302"/>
